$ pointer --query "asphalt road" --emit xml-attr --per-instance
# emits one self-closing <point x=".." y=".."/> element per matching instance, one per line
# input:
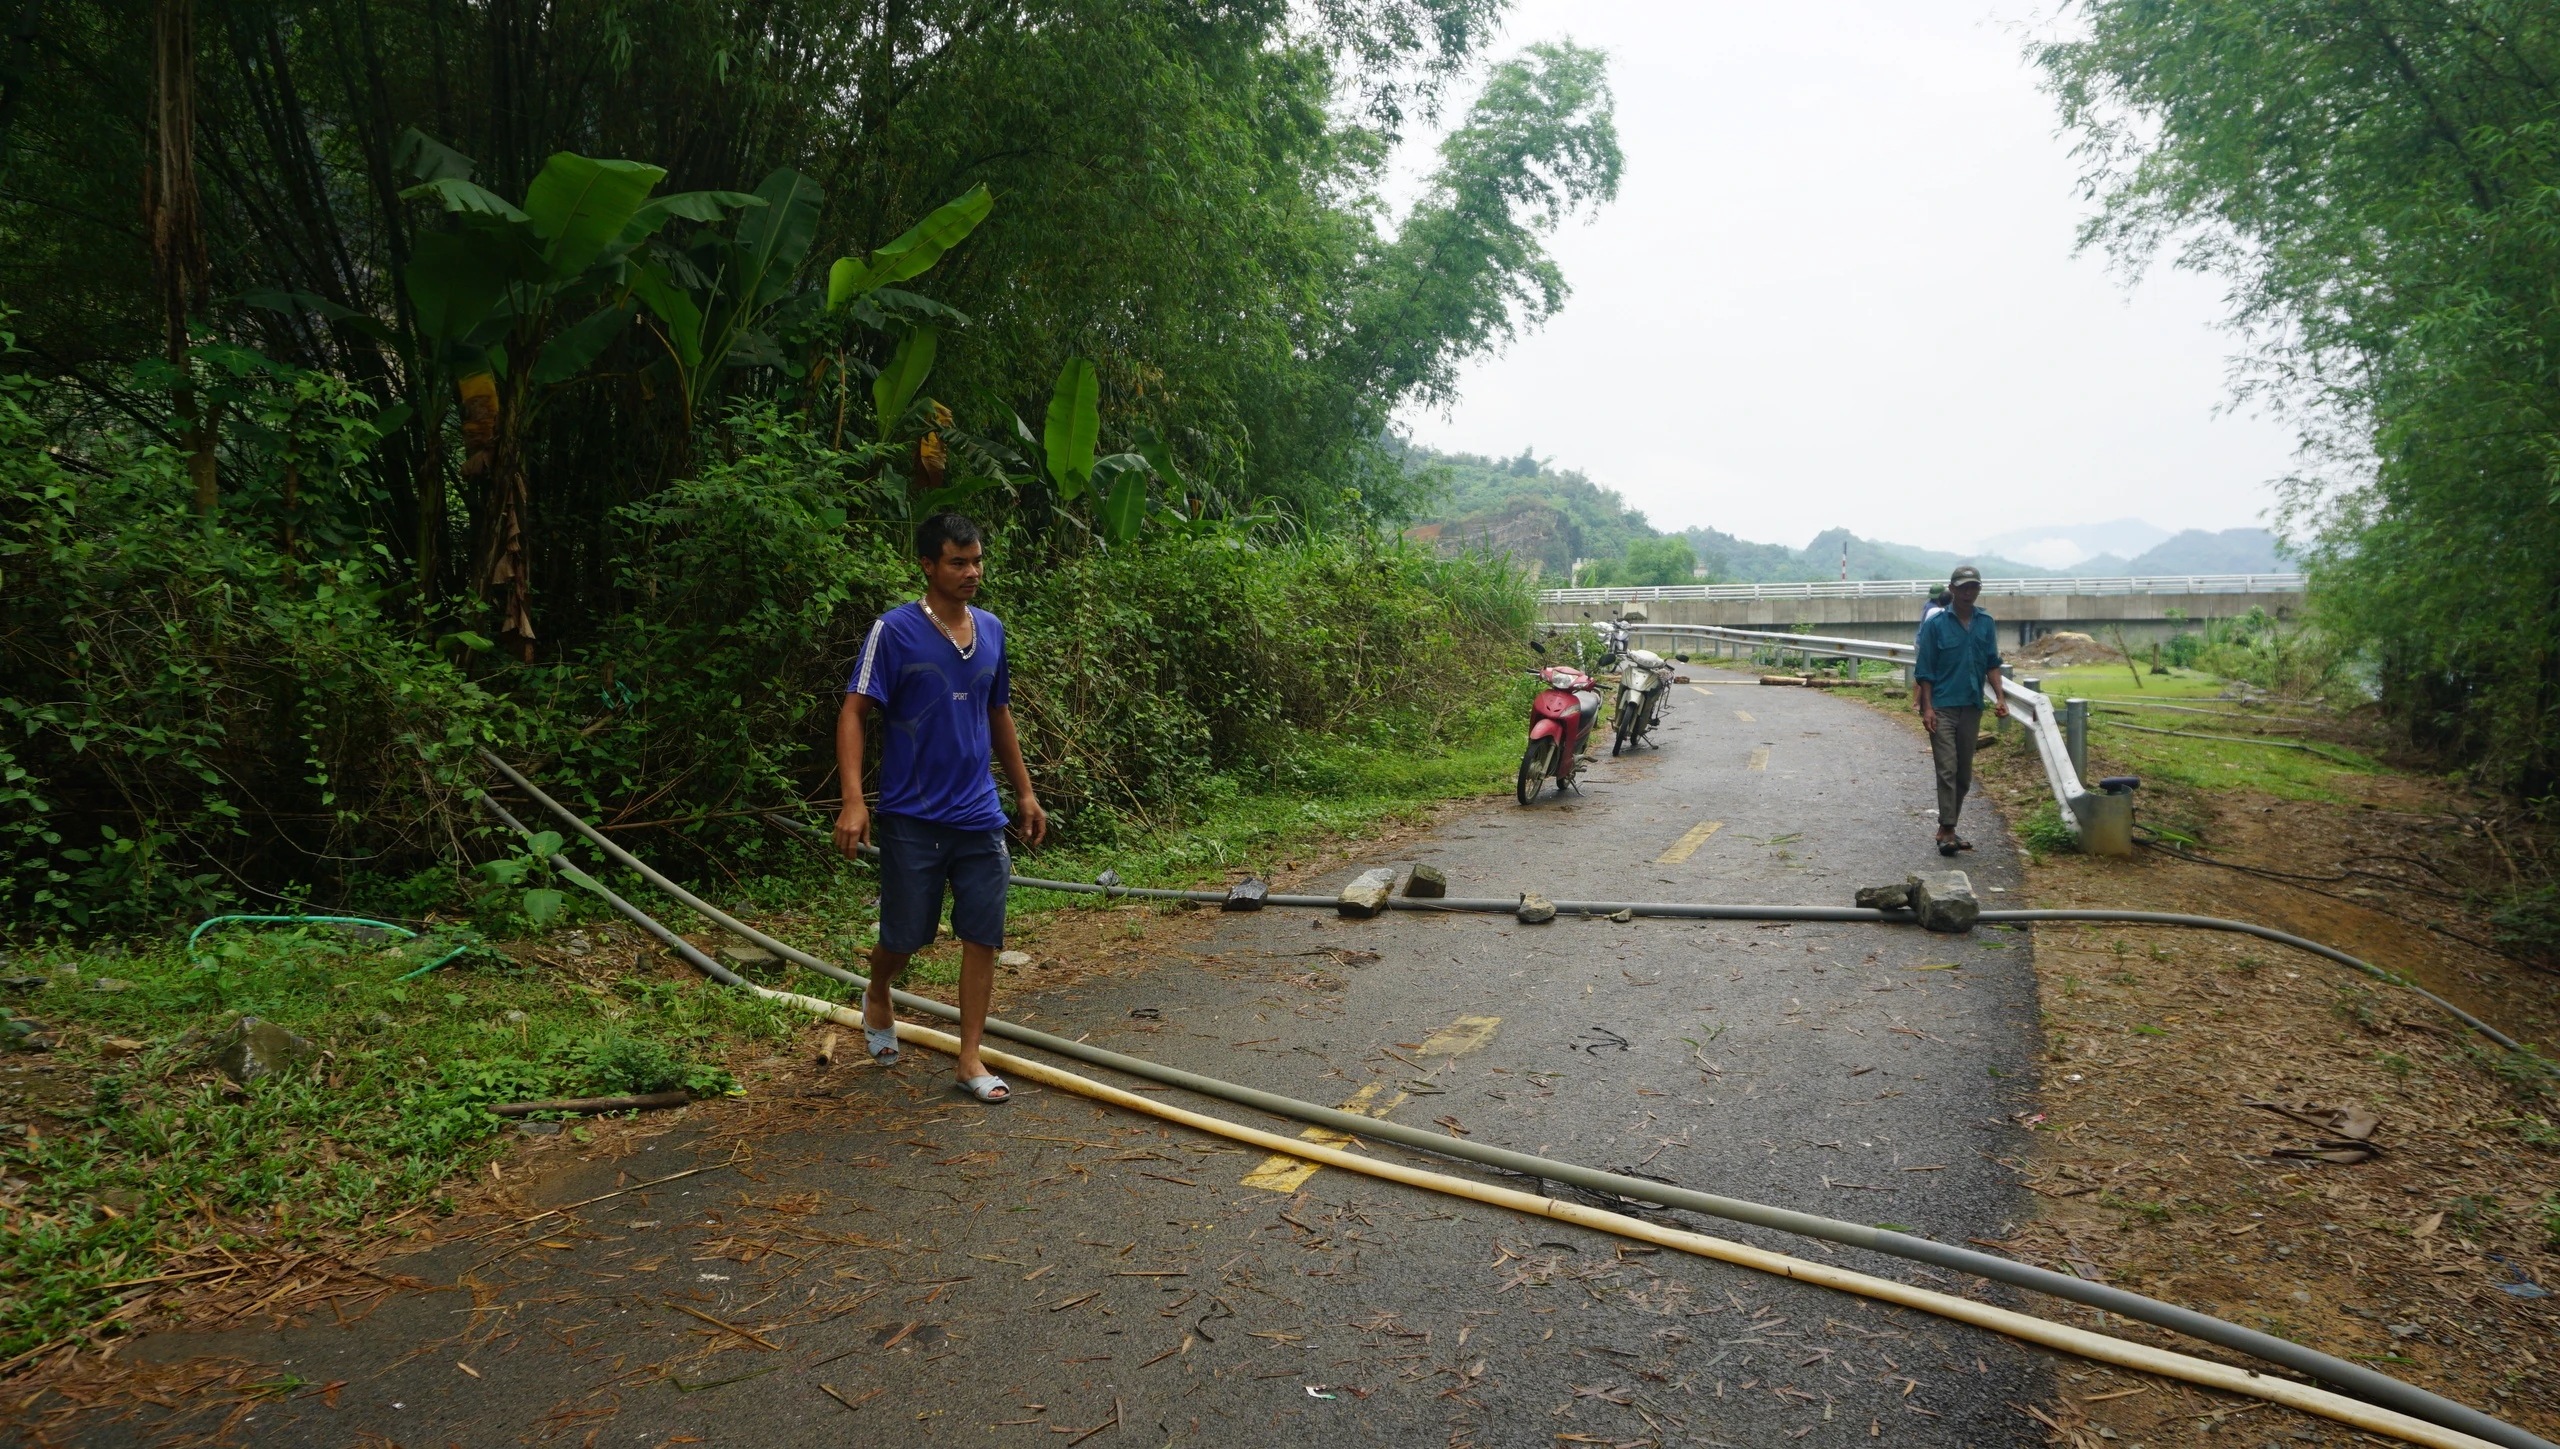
<point x="900" y="1265"/>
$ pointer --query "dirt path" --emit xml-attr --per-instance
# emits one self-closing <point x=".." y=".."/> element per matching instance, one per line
<point x="2428" y="1261"/>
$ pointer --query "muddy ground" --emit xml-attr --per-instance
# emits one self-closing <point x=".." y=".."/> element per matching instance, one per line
<point x="2431" y="1258"/>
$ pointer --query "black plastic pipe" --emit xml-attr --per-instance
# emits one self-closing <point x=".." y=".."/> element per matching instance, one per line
<point x="2366" y="1383"/>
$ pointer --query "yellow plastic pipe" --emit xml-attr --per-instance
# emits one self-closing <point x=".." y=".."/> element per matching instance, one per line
<point x="2099" y="1347"/>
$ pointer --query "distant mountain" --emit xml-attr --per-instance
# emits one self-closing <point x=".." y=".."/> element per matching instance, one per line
<point x="2232" y="551"/>
<point x="1547" y="517"/>
<point x="1730" y="560"/>
<point x="2076" y="546"/>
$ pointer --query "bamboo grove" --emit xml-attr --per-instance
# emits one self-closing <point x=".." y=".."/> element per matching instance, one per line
<point x="386" y="373"/>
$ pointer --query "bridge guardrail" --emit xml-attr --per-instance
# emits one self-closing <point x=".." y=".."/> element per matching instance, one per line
<point x="2041" y="714"/>
<point x="1919" y="588"/>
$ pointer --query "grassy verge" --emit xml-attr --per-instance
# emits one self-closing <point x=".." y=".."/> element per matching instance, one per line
<point x="2256" y="752"/>
<point x="126" y="1153"/>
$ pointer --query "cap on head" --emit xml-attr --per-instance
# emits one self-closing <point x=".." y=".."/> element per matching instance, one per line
<point x="1964" y="574"/>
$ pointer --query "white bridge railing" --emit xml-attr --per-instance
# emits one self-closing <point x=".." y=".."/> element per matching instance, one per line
<point x="2041" y="715"/>
<point x="1919" y="588"/>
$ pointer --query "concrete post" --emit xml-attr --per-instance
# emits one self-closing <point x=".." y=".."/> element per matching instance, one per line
<point x="2075" y="736"/>
<point x="2108" y="830"/>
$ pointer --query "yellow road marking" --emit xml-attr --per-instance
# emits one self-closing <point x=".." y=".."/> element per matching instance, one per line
<point x="1282" y="1173"/>
<point x="1687" y="845"/>
<point x="1744" y="716"/>
<point x="1759" y="759"/>
<point x="1702" y="689"/>
<point x="1462" y="1036"/>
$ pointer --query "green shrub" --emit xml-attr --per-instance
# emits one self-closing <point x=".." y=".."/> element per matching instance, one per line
<point x="2043" y="831"/>
<point x="618" y="1064"/>
<point x="190" y="705"/>
<point x="2292" y="661"/>
<point x="199" y="710"/>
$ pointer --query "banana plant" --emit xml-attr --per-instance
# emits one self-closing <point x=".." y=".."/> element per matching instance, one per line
<point x="912" y="254"/>
<point x="490" y="294"/>
<point x="1068" y="440"/>
<point x="715" y="299"/>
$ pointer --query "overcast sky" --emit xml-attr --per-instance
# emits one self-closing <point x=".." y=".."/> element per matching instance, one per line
<point x="1838" y="287"/>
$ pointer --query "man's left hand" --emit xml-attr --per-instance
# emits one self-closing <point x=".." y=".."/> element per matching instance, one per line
<point x="1035" y="821"/>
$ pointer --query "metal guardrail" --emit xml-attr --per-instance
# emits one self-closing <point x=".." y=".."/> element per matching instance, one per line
<point x="1919" y="588"/>
<point x="2041" y="714"/>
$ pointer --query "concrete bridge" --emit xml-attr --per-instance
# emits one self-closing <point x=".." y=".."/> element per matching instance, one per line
<point x="1888" y="610"/>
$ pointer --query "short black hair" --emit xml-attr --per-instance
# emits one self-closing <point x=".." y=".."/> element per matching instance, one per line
<point x="940" y="529"/>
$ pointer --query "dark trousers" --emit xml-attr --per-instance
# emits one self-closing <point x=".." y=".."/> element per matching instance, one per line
<point x="1951" y="750"/>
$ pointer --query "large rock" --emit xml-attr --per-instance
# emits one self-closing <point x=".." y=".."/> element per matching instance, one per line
<point x="1884" y="898"/>
<point x="1426" y="884"/>
<point x="1247" y="894"/>
<point x="1535" y="910"/>
<point x="1367" y="894"/>
<point x="253" y="1049"/>
<point x="1944" y="900"/>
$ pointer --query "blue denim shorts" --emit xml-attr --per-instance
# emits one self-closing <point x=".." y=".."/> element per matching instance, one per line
<point x="917" y="859"/>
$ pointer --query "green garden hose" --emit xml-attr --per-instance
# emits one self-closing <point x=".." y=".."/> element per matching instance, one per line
<point x="405" y="934"/>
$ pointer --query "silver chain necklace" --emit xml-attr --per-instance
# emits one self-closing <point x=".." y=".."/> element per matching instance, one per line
<point x="966" y="650"/>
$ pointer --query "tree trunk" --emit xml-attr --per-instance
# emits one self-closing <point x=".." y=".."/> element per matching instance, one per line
<point x="493" y="451"/>
<point x="173" y="214"/>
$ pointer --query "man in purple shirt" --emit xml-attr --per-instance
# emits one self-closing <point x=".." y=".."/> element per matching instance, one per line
<point x="936" y="671"/>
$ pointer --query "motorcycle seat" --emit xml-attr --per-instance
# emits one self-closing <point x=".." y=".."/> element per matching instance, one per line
<point x="1644" y="658"/>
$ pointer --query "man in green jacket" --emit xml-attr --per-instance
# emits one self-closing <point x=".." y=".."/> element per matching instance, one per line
<point x="1959" y="658"/>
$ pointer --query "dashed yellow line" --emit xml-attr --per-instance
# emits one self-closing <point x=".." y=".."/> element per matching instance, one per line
<point x="1744" y="715"/>
<point x="1702" y="689"/>
<point x="1282" y="1173"/>
<point x="1759" y="759"/>
<point x="1687" y="845"/>
<point x="1460" y="1037"/>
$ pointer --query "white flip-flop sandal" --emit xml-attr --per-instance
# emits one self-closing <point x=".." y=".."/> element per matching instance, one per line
<point x="989" y="1088"/>
<point x="883" y="1042"/>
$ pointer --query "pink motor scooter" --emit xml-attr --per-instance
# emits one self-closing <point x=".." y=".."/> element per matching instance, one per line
<point x="1560" y="719"/>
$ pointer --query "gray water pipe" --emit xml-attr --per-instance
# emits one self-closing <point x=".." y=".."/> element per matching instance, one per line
<point x="2372" y="1386"/>
<point x="1679" y="910"/>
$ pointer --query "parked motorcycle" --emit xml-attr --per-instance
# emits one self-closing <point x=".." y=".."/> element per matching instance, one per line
<point x="1644" y="686"/>
<point x="1560" y="719"/>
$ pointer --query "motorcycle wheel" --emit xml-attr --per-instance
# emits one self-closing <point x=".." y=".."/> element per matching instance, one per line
<point x="1629" y="721"/>
<point x="1533" y="770"/>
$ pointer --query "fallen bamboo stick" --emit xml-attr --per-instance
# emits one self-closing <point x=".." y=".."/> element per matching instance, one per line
<point x="640" y="1102"/>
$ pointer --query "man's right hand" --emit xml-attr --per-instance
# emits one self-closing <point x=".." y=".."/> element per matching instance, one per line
<point x="853" y="828"/>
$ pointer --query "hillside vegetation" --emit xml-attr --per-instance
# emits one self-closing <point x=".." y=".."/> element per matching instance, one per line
<point x="1549" y="517"/>
<point x="422" y="415"/>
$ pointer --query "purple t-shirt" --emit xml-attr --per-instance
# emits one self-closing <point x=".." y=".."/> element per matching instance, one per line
<point x="933" y="764"/>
